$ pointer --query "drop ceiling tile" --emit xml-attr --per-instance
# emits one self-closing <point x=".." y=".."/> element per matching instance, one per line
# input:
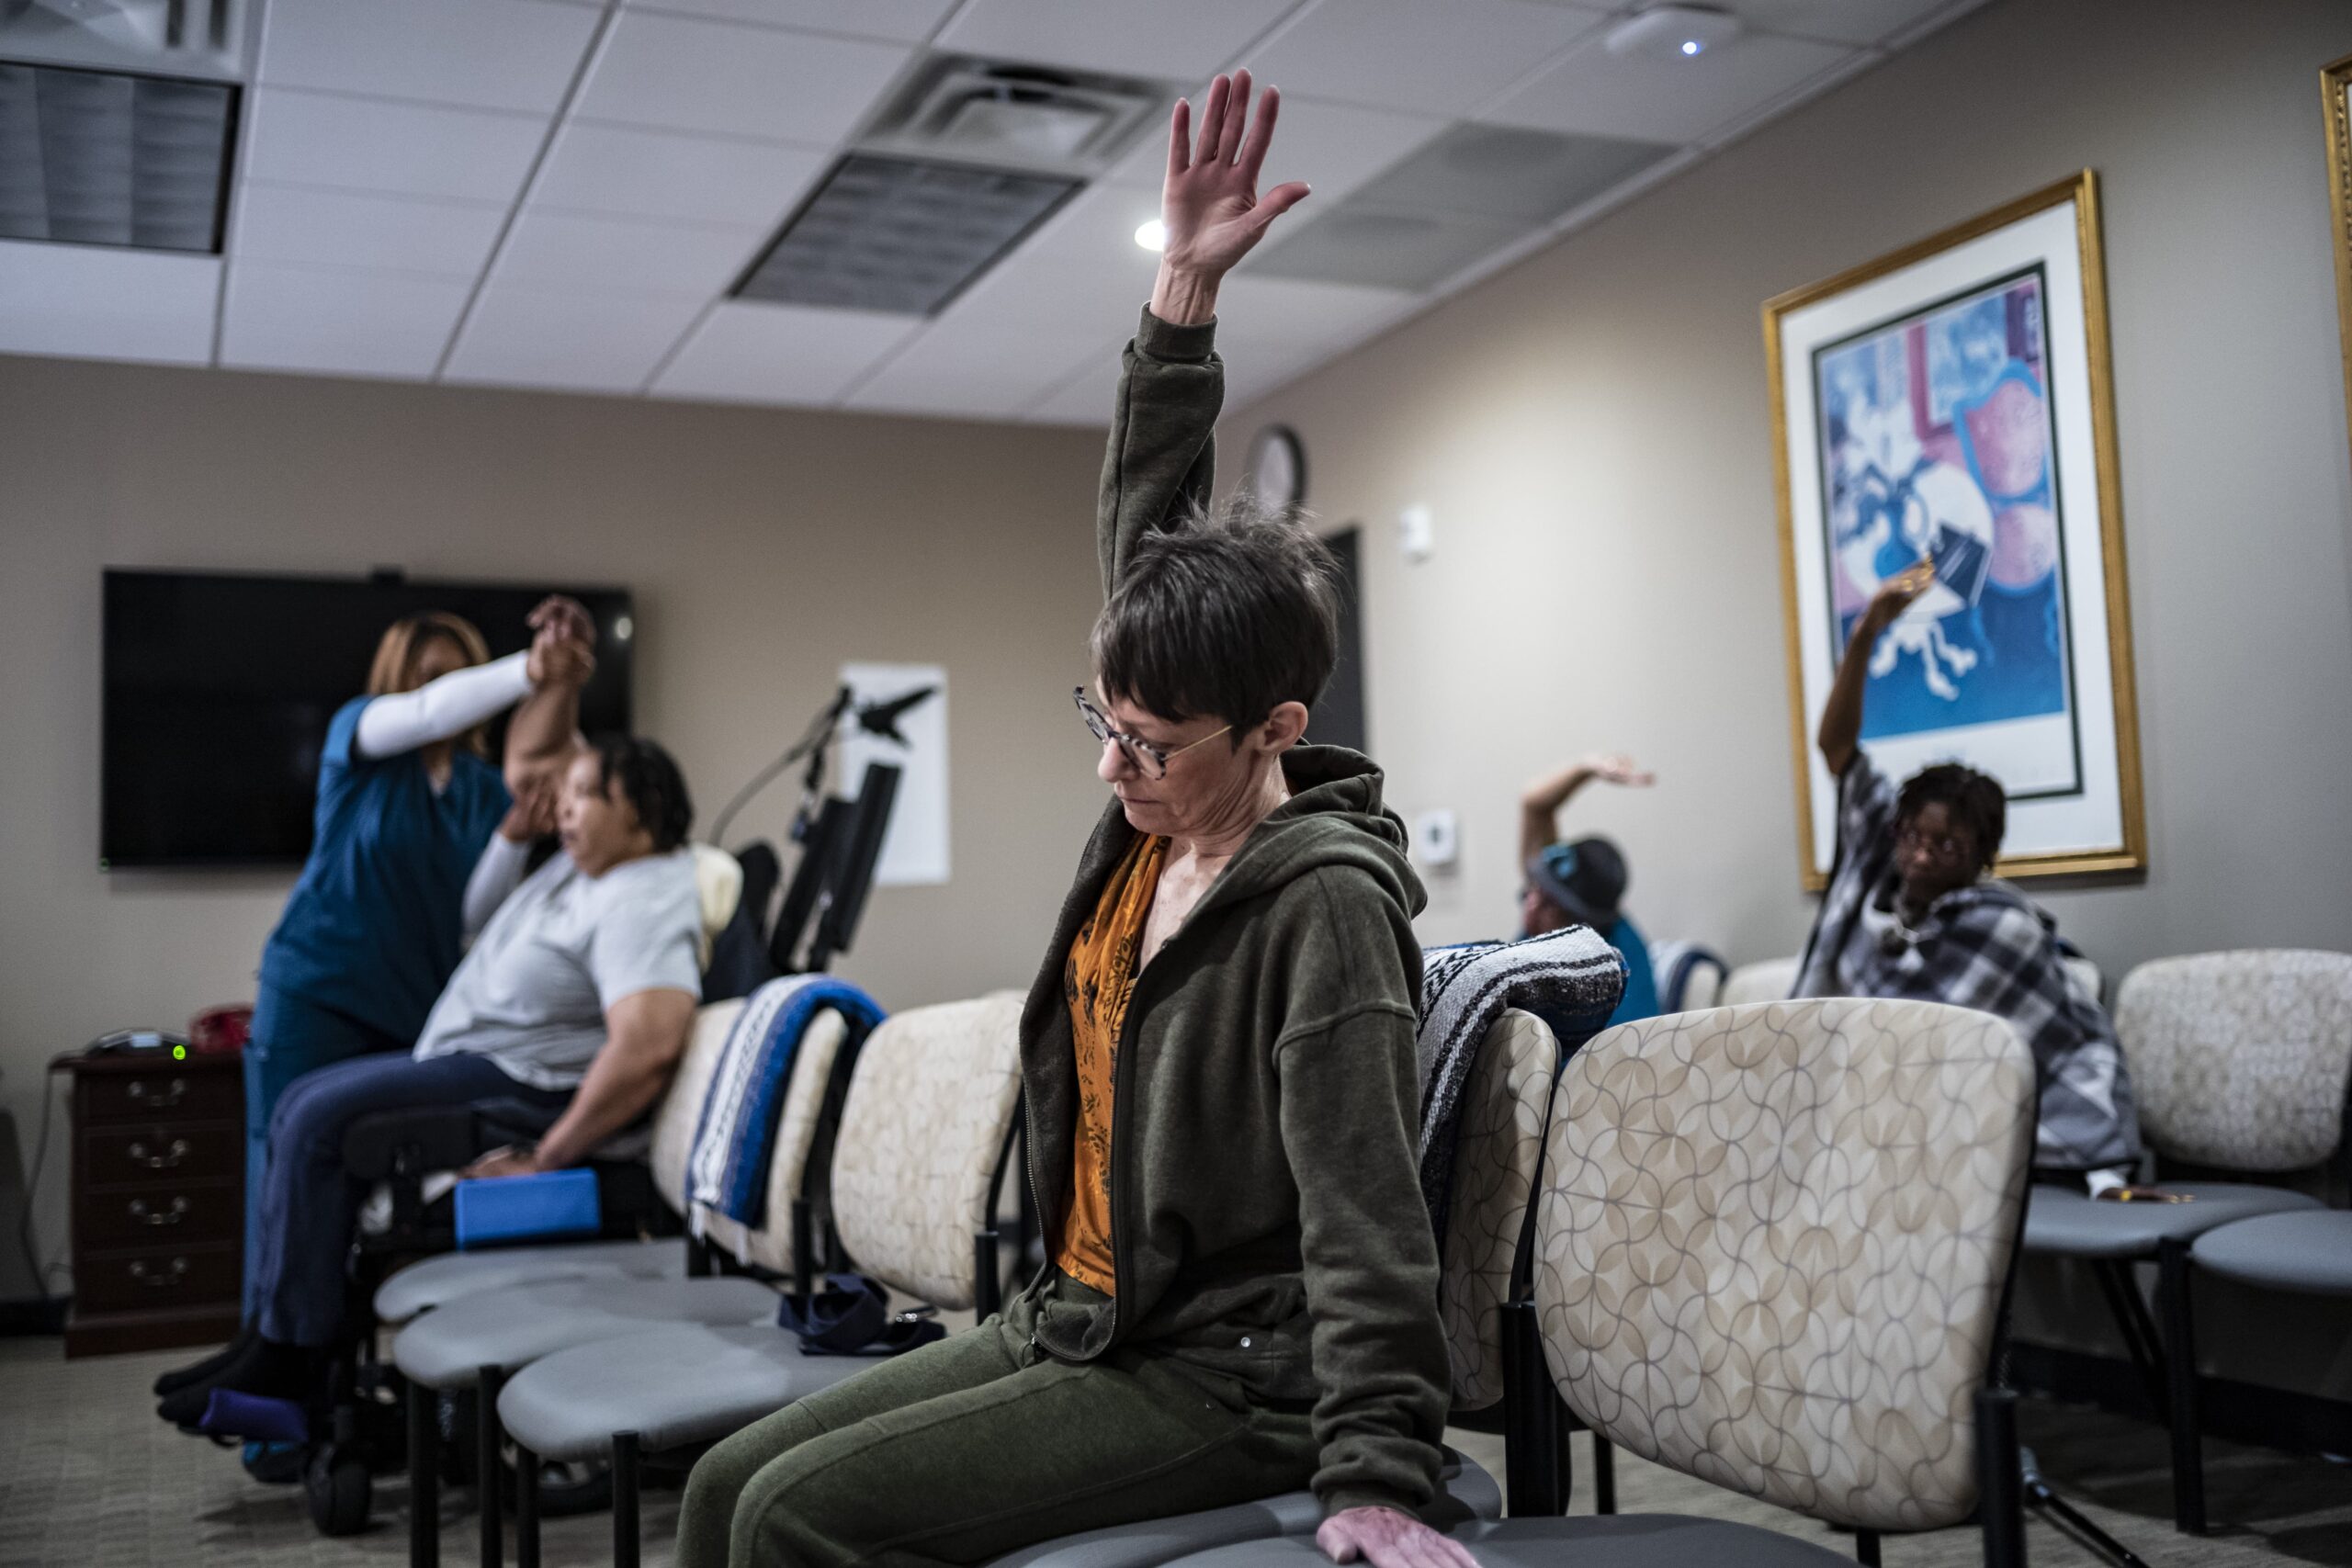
<point x="779" y="354"/>
<point x="338" y="320"/>
<point x="908" y="21"/>
<point x="1085" y="396"/>
<point x="1084" y="260"/>
<point x="1283" y="315"/>
<point x="572" y="250"/>
<point x="1170" y="41"/>
<point x="663" y="173"/>
<point x="605" y="342"/>
<point x="342" y="228"/>
<point x="1840" y="21"/>
<point x="1510" y="173"/>
<point x="990" y="357"/>
<point x="1601" y="94"/>
<point x="1334" y="147"/>
<point x="691" y="73"/>
<point x="103" y="303"/>
<point x="1411" y="55"/>
<point x="1384" y="247"/>
<point x="499" y="54"/>
<point x="331" y="138"/>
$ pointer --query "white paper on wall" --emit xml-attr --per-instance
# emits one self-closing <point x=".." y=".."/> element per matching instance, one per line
<point x="914" y="853"/>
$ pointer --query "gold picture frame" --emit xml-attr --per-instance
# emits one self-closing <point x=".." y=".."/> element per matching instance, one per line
<point x="2110" y="708"/>
<point x="2335" y="101"/>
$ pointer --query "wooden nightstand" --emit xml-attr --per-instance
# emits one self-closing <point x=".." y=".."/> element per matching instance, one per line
<point x="158" y="1200"/>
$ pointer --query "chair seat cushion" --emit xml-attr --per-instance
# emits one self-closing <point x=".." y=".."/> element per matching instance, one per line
<point x="1615" y="1540"/>
<point x="693" y="1382"/>
<point x="439" y="1280"/>
<point x="516" y="1326"/>
<point x="2067" y="1223"/>
<point x="1473" y="1494"/>
<point x="2305" y="1250"/>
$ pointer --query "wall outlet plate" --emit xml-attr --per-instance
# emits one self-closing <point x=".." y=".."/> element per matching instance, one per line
<point x="1437" y="837"/>
<point x="1416" y="533"/>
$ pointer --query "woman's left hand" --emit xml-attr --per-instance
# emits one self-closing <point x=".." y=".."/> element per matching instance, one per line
<point x="504" y="1161"/>
<point x="1388" y="1538"/>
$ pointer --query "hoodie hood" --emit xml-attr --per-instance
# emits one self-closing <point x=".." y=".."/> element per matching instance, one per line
<point x="1335" y="816"/>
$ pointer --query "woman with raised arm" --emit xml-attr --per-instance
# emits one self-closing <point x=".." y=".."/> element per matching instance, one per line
<point x="1239" y="1296"/>
<point x="407" y="801"/>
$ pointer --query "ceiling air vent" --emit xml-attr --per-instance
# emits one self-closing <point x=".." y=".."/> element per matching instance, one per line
<point x="984" y="111"/>
<point x="100" y="158"/>
<point x="900" y="235"/>
<point x="199" y="38"/>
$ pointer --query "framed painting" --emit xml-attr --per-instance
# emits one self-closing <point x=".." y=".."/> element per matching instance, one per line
<point x="1952" y="402"/>
<point x="2335" y="96"/>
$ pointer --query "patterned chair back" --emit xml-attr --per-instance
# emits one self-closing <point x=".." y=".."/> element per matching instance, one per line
<point x="929" y="1106"/>
<point x="2240" y="1059"/>
<point x="1498" y="1148"/>
<point x="1773" y="1244"/>
<point x="680" y="1113"/>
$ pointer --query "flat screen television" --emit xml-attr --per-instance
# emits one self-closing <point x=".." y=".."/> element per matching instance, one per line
<point x="216" y="690"/>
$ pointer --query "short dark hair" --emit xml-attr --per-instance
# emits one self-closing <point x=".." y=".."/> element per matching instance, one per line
<point x="1227" y="614"/>
<point x="650" y="779"/>
<point x="1975" y="801"/>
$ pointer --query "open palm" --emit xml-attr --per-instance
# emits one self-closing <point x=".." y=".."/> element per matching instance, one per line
<point x="1210" y="201"/>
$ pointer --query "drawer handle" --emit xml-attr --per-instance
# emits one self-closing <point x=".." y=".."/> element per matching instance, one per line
<point x="172" y="1093"/>
<point x="171" y="1217"/>
<point x="165" y="1161"/>
<point x="162" y="1280"/>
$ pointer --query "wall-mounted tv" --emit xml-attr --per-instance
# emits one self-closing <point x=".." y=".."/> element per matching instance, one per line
<point x="218" y="689"/>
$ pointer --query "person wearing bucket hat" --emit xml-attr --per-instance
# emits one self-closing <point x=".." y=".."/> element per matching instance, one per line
<point x="1582" y="882"/>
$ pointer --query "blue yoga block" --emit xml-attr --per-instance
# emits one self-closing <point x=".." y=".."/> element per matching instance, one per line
<point x="552" y="1205"/>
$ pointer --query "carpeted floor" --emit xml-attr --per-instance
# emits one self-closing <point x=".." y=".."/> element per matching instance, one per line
<point x="89" y="1476"/>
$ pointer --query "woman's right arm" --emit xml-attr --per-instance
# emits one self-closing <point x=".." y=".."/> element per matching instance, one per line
<point x="1161" y="455"/>
<point x="1841" y="715"/>
<point x="441" y="709"/>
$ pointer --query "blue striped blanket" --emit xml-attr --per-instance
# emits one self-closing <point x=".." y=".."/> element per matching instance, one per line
<point x="727" y="1167"/>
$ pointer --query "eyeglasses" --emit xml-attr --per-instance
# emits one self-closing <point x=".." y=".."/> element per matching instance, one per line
<point x="1148" y="760"/>
<point x="1943" y="846"/>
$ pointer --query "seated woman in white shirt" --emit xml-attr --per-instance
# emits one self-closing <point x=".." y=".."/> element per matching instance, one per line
<point x="579" y="991"/>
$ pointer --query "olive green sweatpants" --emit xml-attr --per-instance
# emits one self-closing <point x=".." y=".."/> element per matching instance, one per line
<point x="977" y="1445"/>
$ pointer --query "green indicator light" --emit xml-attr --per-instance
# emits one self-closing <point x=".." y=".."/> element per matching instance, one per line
<point x="179" y="1052"/>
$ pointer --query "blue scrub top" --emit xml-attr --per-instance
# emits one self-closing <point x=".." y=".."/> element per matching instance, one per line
<point x="374" y="928"/>
<point x="1640" y="999"/>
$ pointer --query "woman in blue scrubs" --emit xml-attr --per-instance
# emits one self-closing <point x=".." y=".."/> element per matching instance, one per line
<point x="407" y="800"/>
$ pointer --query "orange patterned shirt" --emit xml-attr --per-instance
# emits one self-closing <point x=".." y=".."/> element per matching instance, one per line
<point x="1097" y="981"/>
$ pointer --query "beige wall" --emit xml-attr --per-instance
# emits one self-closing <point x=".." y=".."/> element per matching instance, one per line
<point x="1590" y="432"/>
<point x="763" y="548"/>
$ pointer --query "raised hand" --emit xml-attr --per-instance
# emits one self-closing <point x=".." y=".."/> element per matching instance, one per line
<point x="1210" y="202"/>
<point x="1616" y="768"/>
<point x="533" y="814"/>
<point x="1896" y="594"/>
<point x="1385" y="1538"/>
<point x="560" y="656"/>
<point x="568" y="617"/>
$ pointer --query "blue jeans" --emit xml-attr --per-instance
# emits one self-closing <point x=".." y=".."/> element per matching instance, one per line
<point x="291" y="1035"/>
<point x="309" y="1203"/>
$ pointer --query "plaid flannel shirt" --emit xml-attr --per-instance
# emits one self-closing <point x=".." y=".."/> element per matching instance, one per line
<point x="1984" y="946"/>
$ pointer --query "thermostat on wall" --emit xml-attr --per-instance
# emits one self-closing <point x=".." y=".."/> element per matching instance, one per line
<point x="1436" y="840"/>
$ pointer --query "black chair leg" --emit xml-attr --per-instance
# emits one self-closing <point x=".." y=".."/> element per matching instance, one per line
<point x="1535" y="1449"/>
<point x="526" y="1507"/>
<point x="423" y="1477"/>
<point x="626" y="1483"/>
<point x="2000" y="1498"/>
<point x="2180" y="1377"/>
<point x="1866" y="1548"/>
<point x="1604" y="1475"/>
<point x="988" y="1285"/>
<point x="487" y="1465"/>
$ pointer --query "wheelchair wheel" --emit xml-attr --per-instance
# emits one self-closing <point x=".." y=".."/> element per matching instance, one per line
<point x="338" y="1488"/>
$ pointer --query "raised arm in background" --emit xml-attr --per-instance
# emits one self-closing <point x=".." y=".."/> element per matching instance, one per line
<point x="545" y="728"/>
<point x="1841" y="715"/>
<point x="1162" y="456"/>
<point x="1539" y="807"/>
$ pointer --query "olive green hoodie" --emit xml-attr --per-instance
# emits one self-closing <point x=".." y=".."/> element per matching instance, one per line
<point x="1267" y="1223"/>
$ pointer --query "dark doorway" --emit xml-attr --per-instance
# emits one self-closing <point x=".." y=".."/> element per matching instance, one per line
<point x="1338" y="717"/>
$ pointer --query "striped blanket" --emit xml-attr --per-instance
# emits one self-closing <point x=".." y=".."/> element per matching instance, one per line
<point x="727" y="1166"/>
<point x="1569" y="978"/>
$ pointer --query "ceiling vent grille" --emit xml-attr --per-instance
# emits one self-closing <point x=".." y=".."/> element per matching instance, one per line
<point x="1003" y="115"/>
<point x="899" y="235"/>
<point x="100" y="158"/>
<point x="186" y="38"/>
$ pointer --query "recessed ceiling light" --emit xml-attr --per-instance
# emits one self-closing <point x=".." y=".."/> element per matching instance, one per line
<point x="1152" y="236"/>
<point x="1672" y="32"/>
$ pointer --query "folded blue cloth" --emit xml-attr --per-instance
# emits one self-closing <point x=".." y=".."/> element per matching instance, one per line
<point x="727" y="1167"/>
